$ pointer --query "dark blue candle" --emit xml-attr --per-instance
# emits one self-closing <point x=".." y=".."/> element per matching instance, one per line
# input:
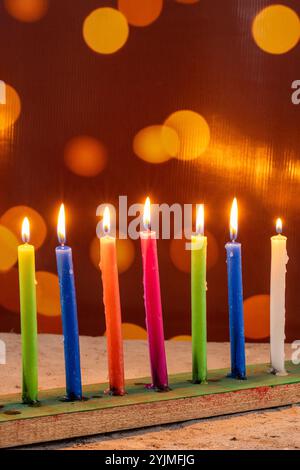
<point x="235" y="300"/>
<point x="68" y="312"/>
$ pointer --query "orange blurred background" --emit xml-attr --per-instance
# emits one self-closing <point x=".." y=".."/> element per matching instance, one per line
<point x="186" y="101"/>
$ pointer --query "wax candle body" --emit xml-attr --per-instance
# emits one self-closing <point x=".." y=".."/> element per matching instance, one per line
<point x="236" y="312"/>
<point x="69" y="321"/>
<point x="198" y="291"/>
<point x="153" y="308"/>
<point x="277" y="302"/>
<point x="111" y="299"/>
<point x="26" y="263"/>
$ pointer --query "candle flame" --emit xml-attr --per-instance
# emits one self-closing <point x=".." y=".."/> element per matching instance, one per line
<point x="234" y="220"/>
<point x="61" y="225"/>
<point x="106" y="220"/>
<point x="147" y="214"/>
<point x="279" y="225"/>
<point x="25" y="230"/>
<point x="200" y="220"/>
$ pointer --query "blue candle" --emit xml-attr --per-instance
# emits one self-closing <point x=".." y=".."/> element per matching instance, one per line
<point x="235" y="299"/>
<point x="69" y="312"/>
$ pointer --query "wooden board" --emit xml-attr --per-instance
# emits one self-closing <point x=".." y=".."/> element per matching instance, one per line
<point x="55" y="420"/>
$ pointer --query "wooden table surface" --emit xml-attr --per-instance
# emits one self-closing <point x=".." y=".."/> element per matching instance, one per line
<point x="272" y="429"/>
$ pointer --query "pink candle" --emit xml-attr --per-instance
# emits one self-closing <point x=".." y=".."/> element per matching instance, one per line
<point x="152" y="299"/>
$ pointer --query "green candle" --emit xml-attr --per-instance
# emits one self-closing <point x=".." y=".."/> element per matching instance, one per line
<point x="28" y="317"/>
<point x="198" y="292"/>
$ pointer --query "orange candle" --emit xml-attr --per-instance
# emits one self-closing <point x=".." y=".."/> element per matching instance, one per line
<point x="112" y="306"/>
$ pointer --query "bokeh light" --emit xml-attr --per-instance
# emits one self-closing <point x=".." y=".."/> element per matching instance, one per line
<point x="47" y="294"/>
<point x="193" y="132"/>
<point x="140" y="13"/>
<point x="9" y="289"/>
<point x="257" y="317"/>
<point x="132" y="331"/>
<point x="13" y="217"/>
<point x="27" y="10"/>
<point x="181" y="338"/>
<point x="125" y="253"/>
<point x="276" y="29"/>
<point x="8" y="248"/>
<point x="156" y="144"/>
<point x="85" y="156"/>
<point x="10" y="111"/>
<point x="105" y="30"/>
<point x="181" y="258"/>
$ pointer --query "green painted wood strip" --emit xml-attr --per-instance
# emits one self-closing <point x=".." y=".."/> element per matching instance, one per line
<point x="180" y="384"/>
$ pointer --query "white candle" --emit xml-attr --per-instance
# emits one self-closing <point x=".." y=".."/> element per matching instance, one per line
<point x="279" y="260"/>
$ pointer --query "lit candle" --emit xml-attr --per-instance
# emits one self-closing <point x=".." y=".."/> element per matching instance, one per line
<point x="235" y="299"/>
<point x="279" y="260"/>
<point x="26" y="261"/>
<point x="68" y="311"/>
<point x="112" y="306"/>
<point x="153" y="308"/>
<point x="198" y="292"/>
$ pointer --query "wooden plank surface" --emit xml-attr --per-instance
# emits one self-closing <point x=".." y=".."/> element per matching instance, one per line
<point x="54" y="419"/>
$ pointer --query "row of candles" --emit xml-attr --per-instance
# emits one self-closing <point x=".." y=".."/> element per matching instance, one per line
<point x="153" y="306"/>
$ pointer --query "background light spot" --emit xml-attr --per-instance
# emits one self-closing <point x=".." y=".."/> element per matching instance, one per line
<point x="140" y="12"/>
<point x="193" y="132"/>
<point x="13" y="218"/>
<point x="276" y="29"/>
<point x="257" y="317"/>
<point x="105" y="30"/>
<point x="156" y="144"/>
<point x="181" y="338"/>
<point x="9" y="290"/>
<point x="47" y="293"/>
<point x="132" y="331"/>
<point x="10" y="111"/>
<point x="85" y="156"/>
<point x="27" y="10"/>
<point x="125" y="253"/>
<point x="181" y="258"/>
<point x="8" y="248"/>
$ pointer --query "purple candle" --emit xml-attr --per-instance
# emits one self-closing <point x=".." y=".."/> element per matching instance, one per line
<point x="152" y="300"/>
